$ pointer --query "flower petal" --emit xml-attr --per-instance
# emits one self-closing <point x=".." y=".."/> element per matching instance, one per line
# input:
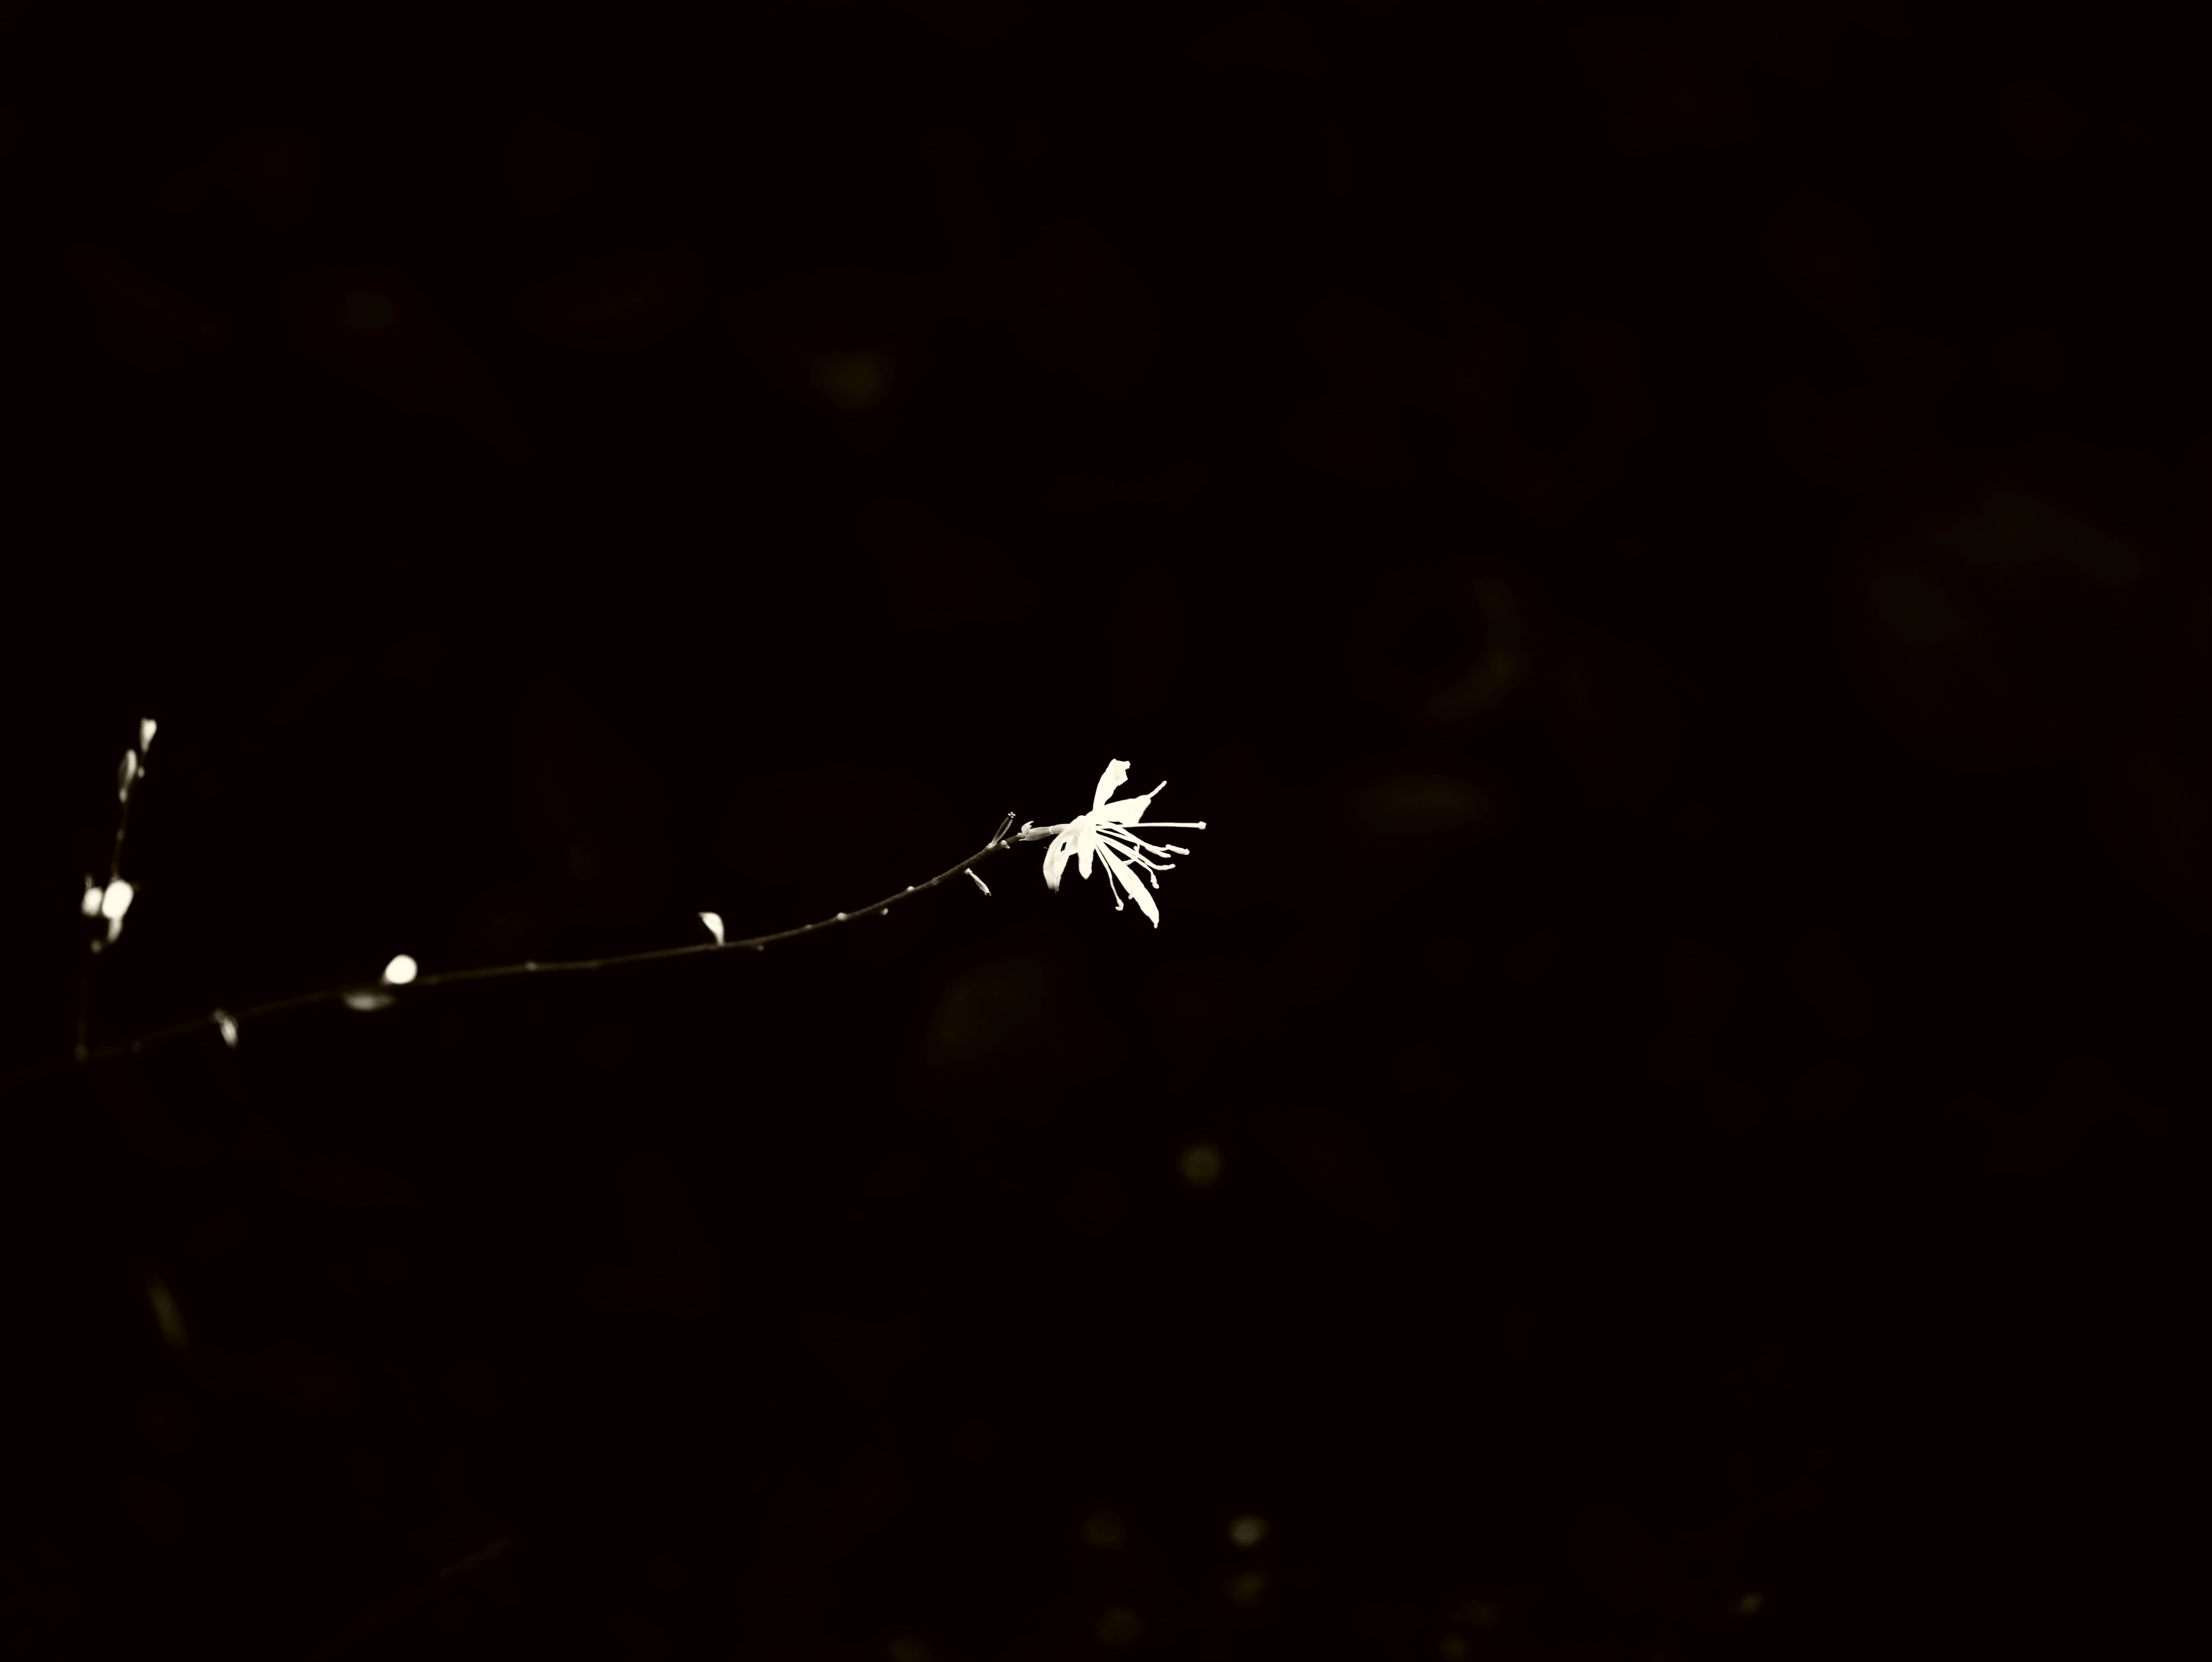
<point x="1130" y="808"/>
<point x="1056" y="858"/>
<point x="1086" y="841"/>
<point x="1115" y="776"/>
<point x="1135" y="884"/>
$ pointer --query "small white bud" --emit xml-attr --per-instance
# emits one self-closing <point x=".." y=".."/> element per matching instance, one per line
<point x="399" y="972"/>
<point x="978" y="882"/>
<point x="714" y="922"/>
<point x="91" y="898"/>
<point x="116" y="901"/>
<point x="840" y="917"/>
<point x="114" y="929"/>
<point x="222" y="1019"/>
<point x="145" y="732"/>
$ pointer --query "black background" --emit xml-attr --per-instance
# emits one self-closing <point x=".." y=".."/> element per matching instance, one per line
<point x="1709" y="1120"/>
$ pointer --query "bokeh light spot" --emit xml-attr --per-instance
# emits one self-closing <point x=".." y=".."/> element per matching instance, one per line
<point x="1118" y="1625"/>
<point x="1913" y="608"/>
<point x="363" y="309"/>
<point x="1200" y="1165"/>
<point x="855" y="382"/>
<point x="168" y="1317"/>
<point x="1405" y="807"/>
<point x="1247" y="1530"/>
<point x="1104" y="1530"/>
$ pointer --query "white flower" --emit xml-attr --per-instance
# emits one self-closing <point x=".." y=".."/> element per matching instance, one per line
<point x="1107" y="831"/>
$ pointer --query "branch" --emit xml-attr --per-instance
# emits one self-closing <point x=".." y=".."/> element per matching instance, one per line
<point x="369" y="996"/>
<point x="111" y="900"/>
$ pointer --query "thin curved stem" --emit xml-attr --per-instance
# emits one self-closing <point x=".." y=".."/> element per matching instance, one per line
<point x="227" y="1020"/>
<point x="132" y="773"/>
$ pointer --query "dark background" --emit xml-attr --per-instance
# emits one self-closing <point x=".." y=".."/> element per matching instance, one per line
<point x="1669" y="548"/>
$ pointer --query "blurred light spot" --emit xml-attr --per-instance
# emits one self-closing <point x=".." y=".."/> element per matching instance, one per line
<point x="1245" y="1589"/>
<point x="1247" y="1530"/>
<point x="1478" y="1613"/>
<point x="2012" y="532"/>
<point x="907" y="1649"/>
<point x="1406" y="807"/>
<point x="1916" y="613"/>
<point x="1200" y="1165"/>
<point x="359" y="1000"/>
<point x="401" y="970"/>
<point x="167" y="1317"/>
<point x="855" y="382"/>
<point x="366" y="308"/>
<point x="475" y="1560"/>
<point x="1104" y="1531"/>
<point x="1503" y="664"/>
<point x="91" y="898"/>
<point x="1118" y="1625"/>
<point x="714" y="922"/>
<point x="146" y="728"/>
<point x="117" y="900"/>
<point x="1453" y="1645"/>
<point x="1750" y="1603"/>
<point x="228" y="1027"/>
